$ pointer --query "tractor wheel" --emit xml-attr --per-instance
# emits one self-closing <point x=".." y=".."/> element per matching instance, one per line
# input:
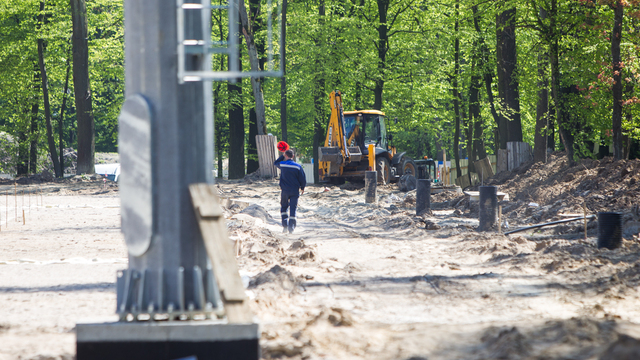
<point x="384" y="170"/>
<point x="407" y="167"/>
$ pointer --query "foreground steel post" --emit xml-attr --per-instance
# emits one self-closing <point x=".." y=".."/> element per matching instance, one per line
<point x="423" y="196"/>
<point x="488" y="207"/>
<point x="370" y="186"/>
<point x="166" y="144"/>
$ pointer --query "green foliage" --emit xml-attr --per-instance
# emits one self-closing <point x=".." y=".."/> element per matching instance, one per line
<point x="20" y="87"/>
<point x="341" y="50"/>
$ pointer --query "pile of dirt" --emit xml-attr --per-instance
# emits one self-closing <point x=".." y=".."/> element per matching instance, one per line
<point x="542" y="192"/>
<point x="276" y="275"/>
<point x="605" y="185"/>
<point x="576" y="338"/>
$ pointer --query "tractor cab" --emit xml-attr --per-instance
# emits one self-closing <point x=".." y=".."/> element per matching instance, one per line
<point x="365" y="127"/>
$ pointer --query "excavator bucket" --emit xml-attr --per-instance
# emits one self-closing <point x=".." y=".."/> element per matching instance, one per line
<point x="330" y="154"/>
<point x="355" y="153"/>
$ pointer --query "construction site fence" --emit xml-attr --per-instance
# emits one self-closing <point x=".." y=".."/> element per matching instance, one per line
<point x="464" y="168"/>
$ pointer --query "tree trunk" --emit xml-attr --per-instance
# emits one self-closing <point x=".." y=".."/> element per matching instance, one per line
<point x="236" y="123"/>
<point x="383" y="47"/>
<point x="256" y="83"/>
<point x="511" y="129"/>
<point x="542" y="112"/>
<point x="32" y="153"/>
<point x="476" y="122"/>
<point x="628" y="115"/>
<point x="283" y="80"/>
<point x="473" y="101"/>
<point x="500" y="73"/>
<point x="486" y="71"/>
<point x="319" y="97"/>
<point x="22" y="167"/>
<point x="551" y="127"/>
<point x="45" y="97"/>
<point x="63" y="109"/>
<point x="33" y="146"/>
<point x="47" y="107"/>
<point x="616" y="39"/>
<point x="82" y="88"/>
<point x="565" y="134"/>
<point x="252" y="153"/>
<point x="474" y="92"/>
<point x="456" y="94"/>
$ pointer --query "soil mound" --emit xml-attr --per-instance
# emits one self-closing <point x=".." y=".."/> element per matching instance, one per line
<point x="258" y="212"/>
<point x="543" y="192"/>
<point x="277" y="275"/>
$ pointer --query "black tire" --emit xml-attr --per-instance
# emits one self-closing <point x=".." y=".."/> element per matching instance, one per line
<point x="407" y="167"/>
<point x="384" y="170"/>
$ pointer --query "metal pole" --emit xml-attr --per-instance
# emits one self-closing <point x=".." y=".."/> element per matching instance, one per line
<point x="165" y="145"/>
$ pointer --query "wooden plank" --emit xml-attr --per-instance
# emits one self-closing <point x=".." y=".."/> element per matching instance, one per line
<point x="510" y="154"/>
<point x="463" y="181"/>
<point x="220" y="249"/>
<point x="260" y="149"/>
<point x="267" y="150"/>
<point x="483" y="169"/>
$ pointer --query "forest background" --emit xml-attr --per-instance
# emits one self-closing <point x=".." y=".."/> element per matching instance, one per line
<point x="469" y="75"/>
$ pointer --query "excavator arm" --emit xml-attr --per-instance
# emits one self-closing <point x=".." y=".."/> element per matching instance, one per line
<point x="336" y="152"/>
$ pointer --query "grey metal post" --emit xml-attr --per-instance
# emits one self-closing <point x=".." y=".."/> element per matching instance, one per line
<point x="423" y="196"/>
<point x="488" y="207"/>
<point x="174" y="143"/>
<point x="166" y="144"/>
<point x="370" y="186"/>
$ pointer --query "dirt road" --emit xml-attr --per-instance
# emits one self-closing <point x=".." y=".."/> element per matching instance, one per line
<point x="355" y="280"/>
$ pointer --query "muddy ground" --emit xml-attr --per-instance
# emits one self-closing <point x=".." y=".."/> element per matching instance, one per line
<point x="356" y="280"/>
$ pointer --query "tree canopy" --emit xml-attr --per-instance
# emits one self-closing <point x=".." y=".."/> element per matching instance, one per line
<point x="446" y="73"/>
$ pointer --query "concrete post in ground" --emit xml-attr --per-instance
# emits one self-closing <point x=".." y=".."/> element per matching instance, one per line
<point x="488" y="207"/>
<point x="423" y="196"/>
<point x="370" y="183"/>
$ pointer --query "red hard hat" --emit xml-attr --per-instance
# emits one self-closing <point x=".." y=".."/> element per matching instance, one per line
<point x="283" y="146"/>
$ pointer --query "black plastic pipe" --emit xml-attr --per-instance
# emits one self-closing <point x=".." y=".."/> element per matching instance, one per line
<point x="609" y="230"/>
<point x="423" y="196"/>
<point x="549" y="223"/>
<point x="370" y="183"/>
<point x="488" y="214"/>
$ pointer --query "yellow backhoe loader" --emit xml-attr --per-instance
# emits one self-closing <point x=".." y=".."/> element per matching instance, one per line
<point x="351" y="135"/>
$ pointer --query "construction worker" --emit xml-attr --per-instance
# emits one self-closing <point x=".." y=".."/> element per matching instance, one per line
<point x="292" y="183"/>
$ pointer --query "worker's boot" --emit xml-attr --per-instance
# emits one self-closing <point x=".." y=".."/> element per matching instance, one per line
<point x="292" y="224"/>
<point x="285" y="222"/>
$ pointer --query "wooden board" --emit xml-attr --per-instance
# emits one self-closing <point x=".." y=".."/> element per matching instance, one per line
<point x="475" y="195"/>
<point x="463" y="181"/>
<point x="220" y="249"/>
<point x="483" y="169"/>
<point x="267" y="154"/>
